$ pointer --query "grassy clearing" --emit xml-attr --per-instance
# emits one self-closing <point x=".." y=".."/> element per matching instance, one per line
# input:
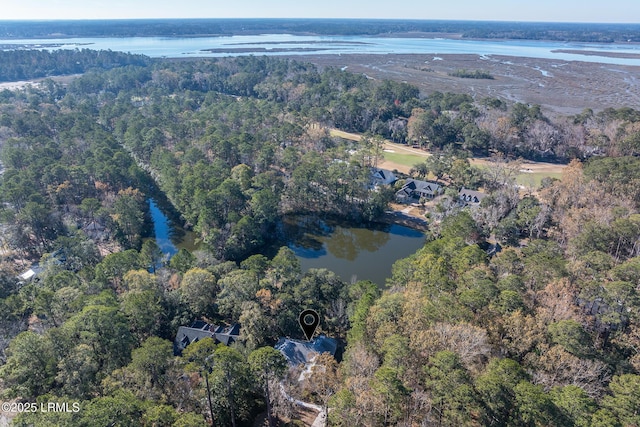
<point x="403" y="159"/>
<point x="344" y="135"/>
<point x="527" y="179"/>
<point x="408" y="160"/>
<point x="535" y="179"/>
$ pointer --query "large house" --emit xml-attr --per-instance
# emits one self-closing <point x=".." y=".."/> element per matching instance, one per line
<point x="470" y="197"/>
<point x="413" y="190"/>
<point x="199" y="330"/>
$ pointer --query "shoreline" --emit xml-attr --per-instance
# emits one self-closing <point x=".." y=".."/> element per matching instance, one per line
<point x="622" y="55"/>
<point x="398" y="217"/>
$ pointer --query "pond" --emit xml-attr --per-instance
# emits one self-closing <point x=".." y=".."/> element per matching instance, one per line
<point x="352" y="252"/>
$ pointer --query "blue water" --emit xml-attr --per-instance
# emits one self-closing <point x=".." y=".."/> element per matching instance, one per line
<point x="162" y="230"/>
<point x="181" y="47"/>
<point x="169" y="235"/>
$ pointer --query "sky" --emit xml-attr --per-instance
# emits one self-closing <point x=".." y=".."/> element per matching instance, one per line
<point x="626" y="11"/>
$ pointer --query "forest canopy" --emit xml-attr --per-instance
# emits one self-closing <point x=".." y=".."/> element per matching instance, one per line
<point x="520" y="310"/>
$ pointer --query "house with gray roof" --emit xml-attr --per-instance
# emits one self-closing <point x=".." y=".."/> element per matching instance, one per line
<point x="470" y="197"/>
<point x="303" y="352"/>
<point x="31" y="273"/>
<point x="200" y="329"/>
<point x="382" y="177"/>
<point x="413" y="190"/>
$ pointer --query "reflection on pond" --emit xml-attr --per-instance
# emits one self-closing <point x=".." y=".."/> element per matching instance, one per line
<point x="170" y="236"/>
<point x="349" y="242"/>
<point x="354" y="253"/>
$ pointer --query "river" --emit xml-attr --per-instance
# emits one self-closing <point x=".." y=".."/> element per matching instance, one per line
<point x="287" y="44"/>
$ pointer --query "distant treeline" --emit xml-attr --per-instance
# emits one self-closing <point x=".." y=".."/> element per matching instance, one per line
<point x="30" y="64"/>
<point x="585" y="32"/>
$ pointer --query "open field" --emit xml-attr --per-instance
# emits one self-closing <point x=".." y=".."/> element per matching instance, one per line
<point x="531" y="173"/>
<point x="36" y="82"/>
<point x="534" y="179"/>
<point x="16" y="85"/>
<point x="396" y="156"/>
<point x="401" y="160"/>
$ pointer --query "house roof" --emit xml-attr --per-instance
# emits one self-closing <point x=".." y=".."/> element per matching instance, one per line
<point x="303" y="352"/>
<point x="200" y="329"/>
<point x="31" y="272"/>
<point x="383" y="175"/>
<point x="471" y="196"/>
<point x="200" y="324"/>
<point x="423" y="187"/>
<point x="93" y="226"/>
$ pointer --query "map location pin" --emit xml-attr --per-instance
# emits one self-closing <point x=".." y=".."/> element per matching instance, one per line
<point x="309" y="321"/>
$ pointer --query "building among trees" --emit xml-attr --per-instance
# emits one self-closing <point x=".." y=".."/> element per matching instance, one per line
<point x="414" y="190"/>
<point x="200" y="329"/>
<point x="470" y="197"/>
<point x="305" y="352"/>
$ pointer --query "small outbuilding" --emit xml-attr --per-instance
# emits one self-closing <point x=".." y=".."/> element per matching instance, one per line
<point x="30" y="274"/>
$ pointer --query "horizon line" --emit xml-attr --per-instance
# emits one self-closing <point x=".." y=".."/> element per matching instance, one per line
<point x="34" y="20"/>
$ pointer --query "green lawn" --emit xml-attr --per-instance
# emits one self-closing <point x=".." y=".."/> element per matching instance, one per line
<point x="404" y="159"/>
<point x="535" y="179"/>
<point x="531" y="179"/>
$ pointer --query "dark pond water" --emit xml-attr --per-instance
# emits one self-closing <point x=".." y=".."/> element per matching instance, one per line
<point x="353" y="253"/>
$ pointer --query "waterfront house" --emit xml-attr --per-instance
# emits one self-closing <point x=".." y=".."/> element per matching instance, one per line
<point x="413" y="190"/>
